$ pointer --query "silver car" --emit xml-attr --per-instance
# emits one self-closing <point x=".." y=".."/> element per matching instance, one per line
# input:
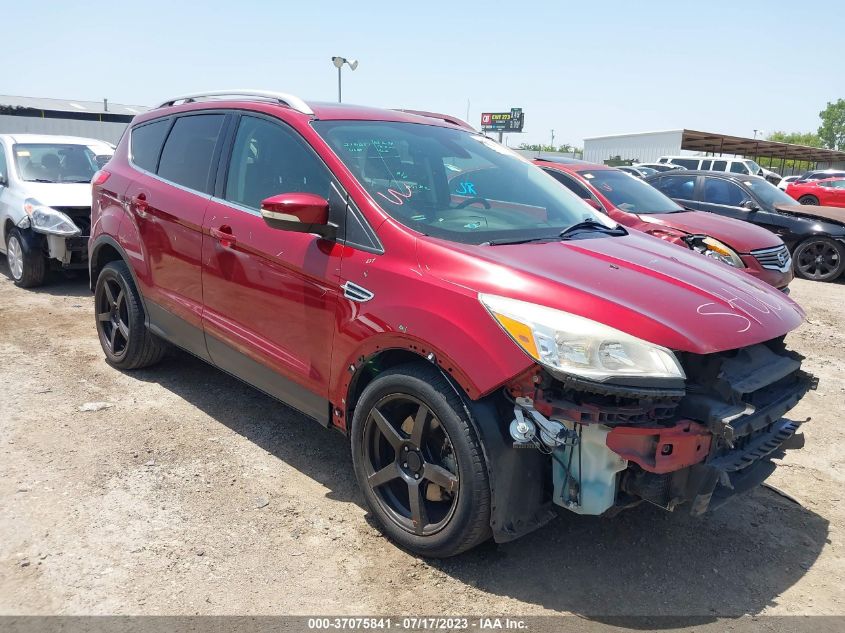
<point x="45" y="202"/>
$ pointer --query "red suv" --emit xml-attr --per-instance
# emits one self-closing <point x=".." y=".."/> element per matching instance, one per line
<point x="491" y="353"/>
<point x="638" y="205"/>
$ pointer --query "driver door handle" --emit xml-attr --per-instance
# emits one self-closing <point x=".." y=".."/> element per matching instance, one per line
<point x="223" y="234"/>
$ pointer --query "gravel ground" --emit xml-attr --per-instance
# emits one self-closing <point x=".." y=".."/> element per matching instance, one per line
<point x="183" y="491"/>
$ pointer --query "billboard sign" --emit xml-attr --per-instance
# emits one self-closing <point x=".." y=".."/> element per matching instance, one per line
<point x="503" y="121"/>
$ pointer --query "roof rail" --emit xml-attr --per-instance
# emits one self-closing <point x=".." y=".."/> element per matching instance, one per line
<point x="443" y="117"/>
<point x="292" y="101"/>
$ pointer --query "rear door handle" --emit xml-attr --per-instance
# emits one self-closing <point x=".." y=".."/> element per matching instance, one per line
<point x="223" y="234"/>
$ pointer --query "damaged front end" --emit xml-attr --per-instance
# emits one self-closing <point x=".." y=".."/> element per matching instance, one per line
<point x="690" y="447"/>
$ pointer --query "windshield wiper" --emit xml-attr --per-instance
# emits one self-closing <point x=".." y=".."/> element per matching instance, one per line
<point x="590" y="225"/>
<point x="52" y="182"/>
<point x="524" y="240"/>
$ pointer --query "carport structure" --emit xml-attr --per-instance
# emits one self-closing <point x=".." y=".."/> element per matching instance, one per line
<point x="712" y="143"/>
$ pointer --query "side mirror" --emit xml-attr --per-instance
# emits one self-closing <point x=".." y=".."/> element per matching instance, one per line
<point x="299" y="212"/>
<point x="750" y="205"/>
<point x="4" y="181"/>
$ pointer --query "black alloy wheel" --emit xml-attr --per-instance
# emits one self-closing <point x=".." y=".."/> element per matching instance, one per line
<point x="819" y="259"/>
<point x="112" y="318"/>
<point x="412" y="467"/>
<point x="808" y="199"/>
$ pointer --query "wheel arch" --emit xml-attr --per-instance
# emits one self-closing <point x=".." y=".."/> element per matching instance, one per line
<point x="105" y="250"/>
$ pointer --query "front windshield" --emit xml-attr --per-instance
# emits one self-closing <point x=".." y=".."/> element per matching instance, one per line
<point x="55" y="162"/>
<point x="755" y="168"/>
<point x="767" y="193"/>
<point x="629" y="194"/>
<point x="453" y="184"/>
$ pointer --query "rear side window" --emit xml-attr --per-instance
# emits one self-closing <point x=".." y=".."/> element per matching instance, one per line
<point x="720" y="165"/>
<point x="738" y="168"/>
<point x="145" y="144"/>
<point x="689" y="163"/>
<point x="718" y="191"/>
<point x="187" y="154"/>
<point x="681" y="187"/>
<point x="706" y="164"/>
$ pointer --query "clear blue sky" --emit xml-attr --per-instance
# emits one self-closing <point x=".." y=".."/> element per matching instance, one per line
<point x="584" y="69"/>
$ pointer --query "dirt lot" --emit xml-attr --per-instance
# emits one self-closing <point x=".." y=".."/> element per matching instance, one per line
<point x="192" y="493"/>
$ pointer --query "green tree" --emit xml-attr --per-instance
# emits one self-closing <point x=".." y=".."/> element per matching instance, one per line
<point x="810" y="139"/>
<point x="832" y="130"/>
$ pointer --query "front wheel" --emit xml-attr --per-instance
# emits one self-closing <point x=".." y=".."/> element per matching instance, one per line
<point x="27" y="266"/>
<point x="124" y="337"/>
<point x="819" y="259"/>
<point x="808" y="199"/>
<point x="419" y="462"/>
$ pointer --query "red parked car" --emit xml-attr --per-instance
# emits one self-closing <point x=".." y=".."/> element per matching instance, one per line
<point x="638" y="205"/>
<point x="829" y="192"/>
<point x="490" y="354"/>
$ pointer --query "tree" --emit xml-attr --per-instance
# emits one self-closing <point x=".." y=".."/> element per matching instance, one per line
<point x="832" y="130"/>
<point x="810" y="139"/>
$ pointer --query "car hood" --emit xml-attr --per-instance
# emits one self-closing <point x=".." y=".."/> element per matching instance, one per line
<point x="833" y="214"/>
<point x="743" y="237"/>
<point x="60" y="194"/>
<point x="637" y="283"/>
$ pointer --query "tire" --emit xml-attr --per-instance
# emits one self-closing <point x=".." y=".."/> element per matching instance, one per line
<point x="444" y="472"/>
<point x="819" y="259"/>
<point x="808" y="199"/>
<point x="28" y="267"/>
<point x="119" y="316"/>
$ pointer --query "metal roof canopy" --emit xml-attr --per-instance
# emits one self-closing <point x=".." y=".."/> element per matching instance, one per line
<point x="70" y="105"/>
<point x="695" y="141"/>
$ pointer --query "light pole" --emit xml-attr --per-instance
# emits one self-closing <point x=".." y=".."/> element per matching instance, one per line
<point x="338" y="63"/>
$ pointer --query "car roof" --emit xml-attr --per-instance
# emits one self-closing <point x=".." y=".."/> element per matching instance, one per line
<point x="53" y="138"/>
<point x="322" y="111"/>
<point x="707" y="172"/>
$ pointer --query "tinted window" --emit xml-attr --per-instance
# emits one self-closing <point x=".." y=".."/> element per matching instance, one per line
<point x="718" y="191"/>
<point x="689" y="163"/>
<point x="821" y="175"/>
<point x="706" y="164"/>
<point x="186" y="157"/>
<point x="738" y="168"/>
<point x="630" y="194"/>
<point x="575" y="187"/>
<point x="146" y="143"/>
<point x="681" y="187"/>
<point x="268" y="159"/>
<point x="453" y="184"/>
<point x="720" y="165"/>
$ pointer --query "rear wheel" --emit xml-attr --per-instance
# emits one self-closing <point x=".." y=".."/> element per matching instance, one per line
<point x="808" y="199"/>
<point x="819" y="259"/>
<point x="419" y="462"/>
<point x="27" y="266"/>
<point x="124" y="336"/>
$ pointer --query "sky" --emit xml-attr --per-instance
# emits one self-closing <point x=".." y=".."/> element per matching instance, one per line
<point x="581" y="69"/>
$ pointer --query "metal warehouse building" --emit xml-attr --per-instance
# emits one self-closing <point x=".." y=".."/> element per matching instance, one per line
<point x="647" y="147"/>
<point x="93" y="119"/>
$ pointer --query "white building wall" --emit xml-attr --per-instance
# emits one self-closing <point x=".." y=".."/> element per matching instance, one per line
<point x="109" y="131"/>
<point x="646" y="147"/>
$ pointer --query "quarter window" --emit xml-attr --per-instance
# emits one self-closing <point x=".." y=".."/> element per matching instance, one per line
<point x="145" y="144"/>
<point x="724" y="192"/>
<point x="188" y="151"/>
<point x="268" y="160"/>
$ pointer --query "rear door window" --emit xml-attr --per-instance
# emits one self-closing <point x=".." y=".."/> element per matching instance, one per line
<point x="188" y="151"/>
<point x="706" y="164"/>
<point x="145" y="143"/>
<point x="720" y="165"/>
<point x="723" y="192"/>
<point x="680" y="187"/>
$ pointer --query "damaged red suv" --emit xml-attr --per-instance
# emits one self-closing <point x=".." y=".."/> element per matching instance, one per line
<point x="491" y="357"/>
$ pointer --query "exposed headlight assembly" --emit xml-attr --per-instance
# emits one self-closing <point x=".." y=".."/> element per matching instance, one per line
<point x="574" y="345"/>
<point x="714" y="249"/>
<point x="45" y="219"/>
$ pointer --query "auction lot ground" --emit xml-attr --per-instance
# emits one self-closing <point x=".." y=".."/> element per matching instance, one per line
<point x="192" y="493"/>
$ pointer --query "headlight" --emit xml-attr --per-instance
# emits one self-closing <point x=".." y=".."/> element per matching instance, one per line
<point x="713" y="248"/>
<point x="571" y="344"/>
<point x="47" y="220"/>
